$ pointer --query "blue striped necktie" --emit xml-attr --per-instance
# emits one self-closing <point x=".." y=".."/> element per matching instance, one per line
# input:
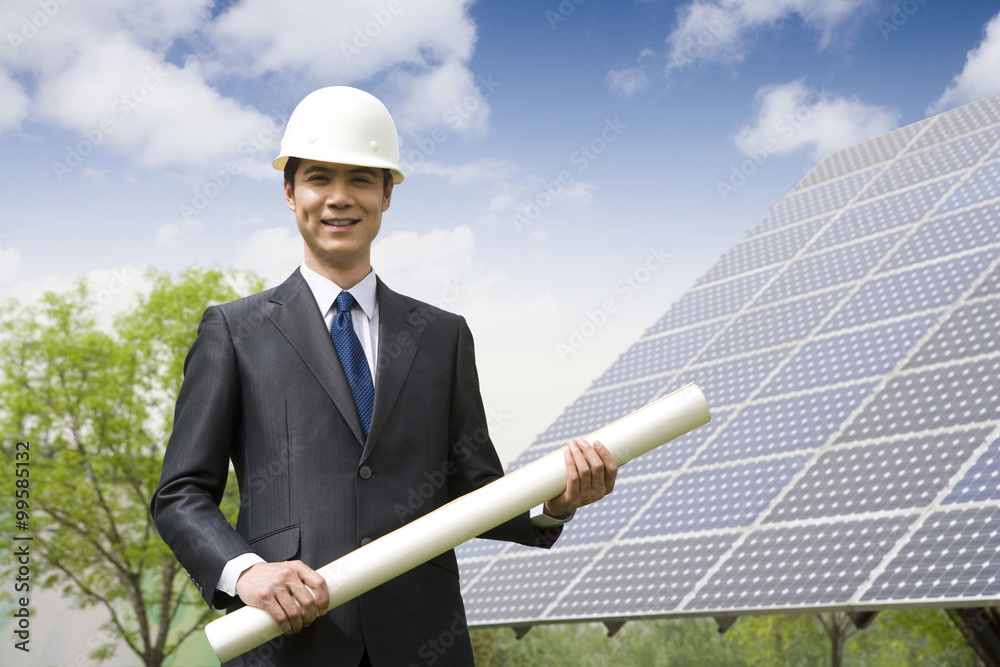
<point x="352" y="358"/>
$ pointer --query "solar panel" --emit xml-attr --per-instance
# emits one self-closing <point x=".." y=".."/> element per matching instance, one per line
<point x="849" y="348"/>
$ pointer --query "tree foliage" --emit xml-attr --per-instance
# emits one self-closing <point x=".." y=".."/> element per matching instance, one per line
<point x="898" y="638"/>
<point x="96" y="407"/>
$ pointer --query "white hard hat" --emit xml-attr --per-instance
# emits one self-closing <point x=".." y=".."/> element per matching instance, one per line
<point x="342" y="125"/>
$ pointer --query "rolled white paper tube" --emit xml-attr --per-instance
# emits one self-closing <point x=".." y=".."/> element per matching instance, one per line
<point x="473" y="514"/>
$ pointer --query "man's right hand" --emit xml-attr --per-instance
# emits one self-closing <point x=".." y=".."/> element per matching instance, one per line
<point x="283" y="591"/>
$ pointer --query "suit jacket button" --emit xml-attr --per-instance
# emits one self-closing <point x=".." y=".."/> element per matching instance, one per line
<point x="365" y="541"/>
<point x="365" y="472"/>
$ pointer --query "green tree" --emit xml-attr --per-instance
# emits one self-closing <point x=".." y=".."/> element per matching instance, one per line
<point x="768" y="641"/>
<point x="661" y="643"/>
<point x="96" y="407"/>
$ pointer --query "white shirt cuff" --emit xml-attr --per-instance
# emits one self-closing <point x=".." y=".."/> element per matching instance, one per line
<point x="232" y="571"/>
<point x="540" y="519"/>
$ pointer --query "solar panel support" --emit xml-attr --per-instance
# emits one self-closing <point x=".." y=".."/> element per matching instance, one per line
<point x="725" y="622"/>
<point x="613" y="627"/>
<point x="981" y="628"/>
<point x="863" y="619"/>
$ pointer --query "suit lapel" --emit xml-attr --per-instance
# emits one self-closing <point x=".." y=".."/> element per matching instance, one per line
<point x="398" y="339"/>
<point x="295" y="315"/>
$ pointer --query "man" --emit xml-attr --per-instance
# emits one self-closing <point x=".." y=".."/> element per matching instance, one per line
<point x="335" y="398"/>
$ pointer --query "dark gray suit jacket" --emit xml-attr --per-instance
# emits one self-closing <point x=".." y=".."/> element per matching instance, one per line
<point x="264" y="388"/>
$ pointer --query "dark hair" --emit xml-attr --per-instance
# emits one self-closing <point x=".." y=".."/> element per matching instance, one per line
<point x="292" y="166"/>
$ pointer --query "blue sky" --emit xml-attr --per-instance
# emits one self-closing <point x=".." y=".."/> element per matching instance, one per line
<point x="571" y="167"/>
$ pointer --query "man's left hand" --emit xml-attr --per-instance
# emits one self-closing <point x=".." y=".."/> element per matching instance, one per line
<point x="590" y="475"/>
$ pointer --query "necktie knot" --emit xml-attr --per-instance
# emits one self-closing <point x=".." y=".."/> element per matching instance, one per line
<point x="345" y="301"/>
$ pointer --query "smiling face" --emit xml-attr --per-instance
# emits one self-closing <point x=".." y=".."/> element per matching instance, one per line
<point x="338" y="208"/>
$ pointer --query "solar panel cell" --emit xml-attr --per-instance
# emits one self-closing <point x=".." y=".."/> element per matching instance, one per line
<point x="599" y="407"/>
<point x="983" y="185"/>
<point x="658" y="355"/>
<point x="859" y="156"/>
<point x="731" y="381"/>
<point x="716" y="498"/>
<point x="773" y="325"/>
<point x="920" y="166"/>
<point x="813" y="202"/>
<point x="784" y="425"/>
<point x="642" y="577"/>
<point x="893" y="211"/>
<point x="954" y="555"/>
<point x="911" y="291"/>
<point x="970" y="331"/>
<point x="939" y="397"/>
<point x="523" y="586"/>
<point x="809" y="565"/>
<point x="711" y="302"/>
<point x="877" y="477"/>
<point x="672" y="455"/>
<point x="991" y="285"/>
<point x="982" y="481"/>
<point x="970" y="228"/>
<point x="755" y="252"/>
<point x="863" y="353"/>
<point x="593" y="525"/>
<point x="826" y="269"/>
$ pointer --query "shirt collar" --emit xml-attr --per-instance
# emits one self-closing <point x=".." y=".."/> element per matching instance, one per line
<point x="325" y="291"/>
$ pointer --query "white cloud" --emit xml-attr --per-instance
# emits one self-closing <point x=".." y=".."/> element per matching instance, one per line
<point x="424" y="46"/>
<point x="49" y="36"/>
<point x="15" y="103"/>
<point x="167" y="234"/>
<point x="10" y="264"/>
<point x="100" y="68"/>
<point x="723" y="30"/>
<point x="115" y="289"/>
<point x="111" y="290"/>
<point x="445" y="96"/>
<point x="628" y="80"/>
<point x="123" y="96"/>
<point x="791" y="117"/>
<point x="981" y="75"/>
<point x="271" y="253"/>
